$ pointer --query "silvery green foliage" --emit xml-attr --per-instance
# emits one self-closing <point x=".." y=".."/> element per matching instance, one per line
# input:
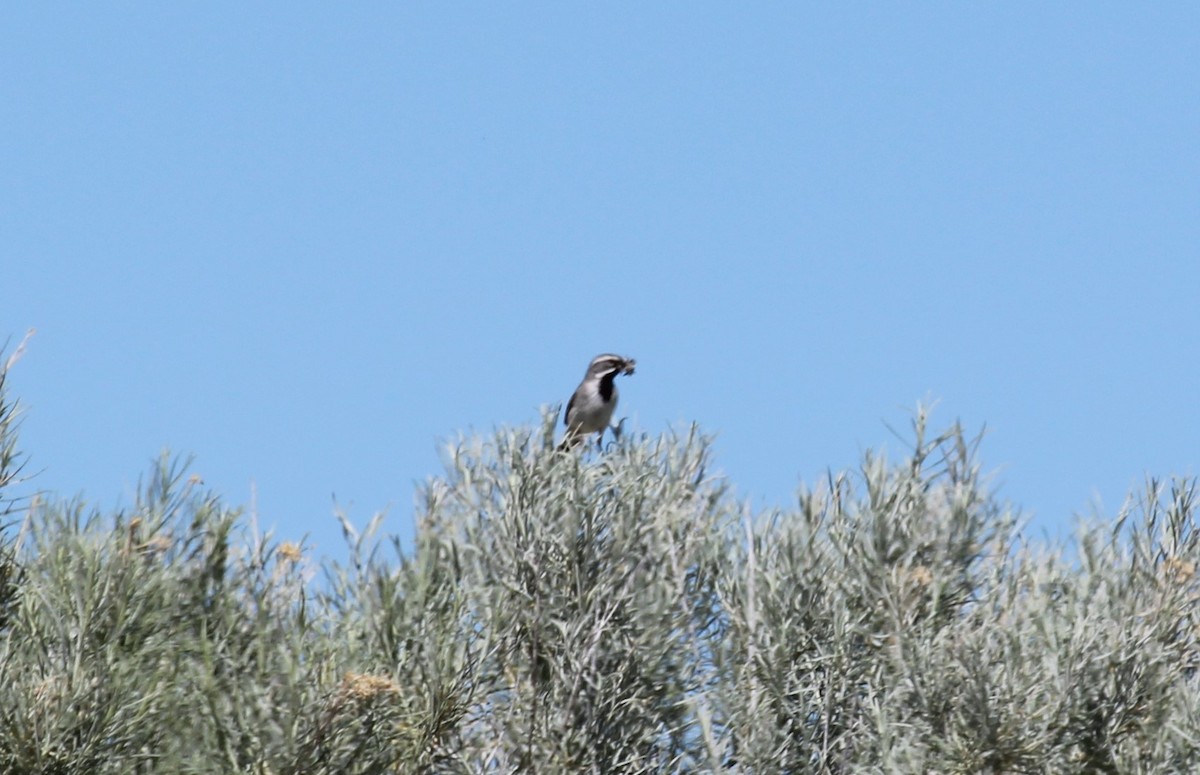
<point x="897" y="624"/>
<point x="592" y="582"/>
<point x="11" y="465"/>
<point x="614" y="611"/>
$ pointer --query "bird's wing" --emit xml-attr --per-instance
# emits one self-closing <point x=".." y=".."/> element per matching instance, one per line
<point x="567" y="411"/>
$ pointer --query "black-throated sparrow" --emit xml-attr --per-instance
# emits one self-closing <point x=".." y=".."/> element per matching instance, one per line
<point x="591" y="406"/>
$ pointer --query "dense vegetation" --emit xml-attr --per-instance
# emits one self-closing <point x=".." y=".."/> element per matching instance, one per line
<point x="612" y="612"/>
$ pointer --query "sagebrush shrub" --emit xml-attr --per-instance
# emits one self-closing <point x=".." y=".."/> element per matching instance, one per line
<point x="605" y="612"/>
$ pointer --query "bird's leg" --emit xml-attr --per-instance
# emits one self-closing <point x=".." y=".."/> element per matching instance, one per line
<point x="570" y="440"/>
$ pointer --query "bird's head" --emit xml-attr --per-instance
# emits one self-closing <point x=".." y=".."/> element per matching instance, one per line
<point x="608" y="363"/>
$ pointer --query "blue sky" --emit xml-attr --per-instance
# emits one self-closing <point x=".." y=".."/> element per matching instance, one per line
<point x="305" y="242"/>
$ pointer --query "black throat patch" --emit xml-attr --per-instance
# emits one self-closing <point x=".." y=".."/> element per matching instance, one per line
<point x="606" y="386"/>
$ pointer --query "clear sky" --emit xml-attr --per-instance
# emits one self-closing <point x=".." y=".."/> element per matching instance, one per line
<point x="305" y="242"/>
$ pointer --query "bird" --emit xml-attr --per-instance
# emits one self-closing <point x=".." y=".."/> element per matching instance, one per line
<point x="591" y="405"/>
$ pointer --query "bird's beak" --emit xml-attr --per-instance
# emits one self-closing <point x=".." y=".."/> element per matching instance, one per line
<point x="629" y="364"/>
